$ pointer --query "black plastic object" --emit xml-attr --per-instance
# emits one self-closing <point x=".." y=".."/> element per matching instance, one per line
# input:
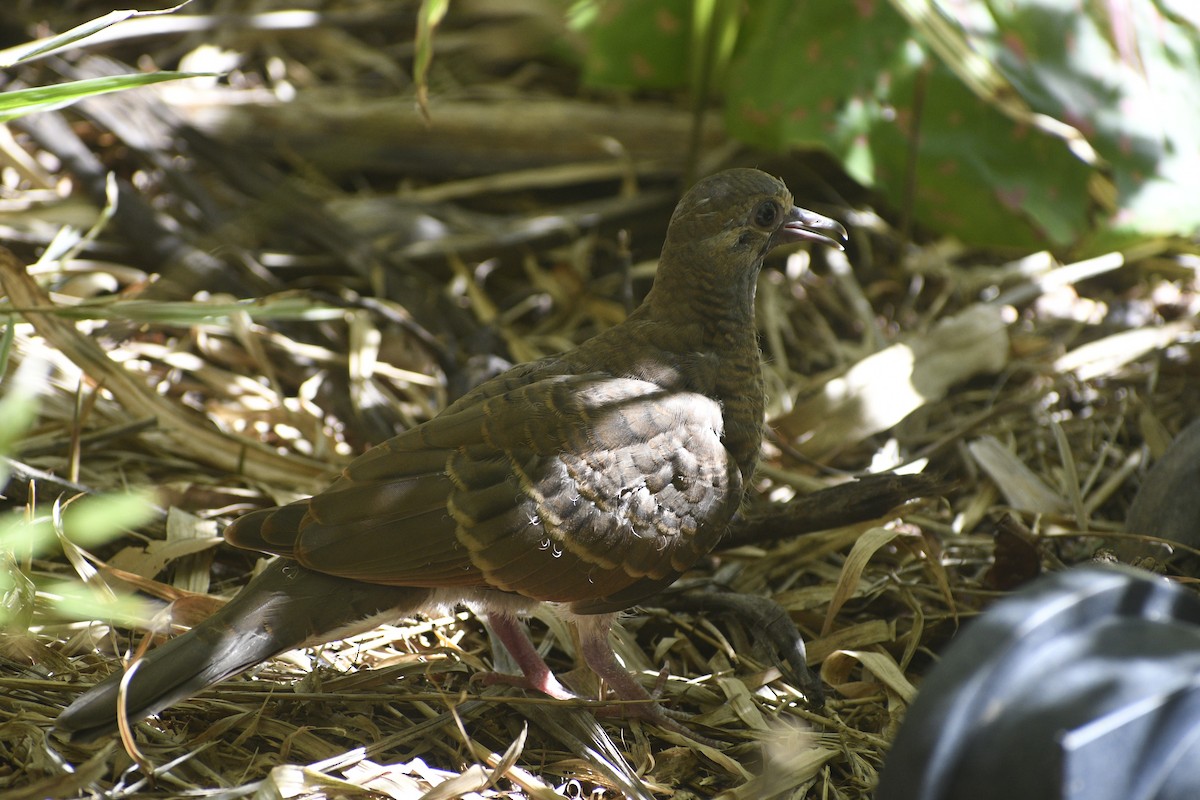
<point x="1083" y="686"/>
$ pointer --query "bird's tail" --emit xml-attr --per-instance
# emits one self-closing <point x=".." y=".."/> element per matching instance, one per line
<point x="284" y="607"/>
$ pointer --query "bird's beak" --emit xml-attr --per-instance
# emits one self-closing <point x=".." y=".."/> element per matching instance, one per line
<point x="802" y="225"/>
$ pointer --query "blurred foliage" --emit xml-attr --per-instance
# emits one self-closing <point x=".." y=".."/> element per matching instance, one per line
<point x="69" y="524"/>
<point x="67" y="39"/>
<point x="1127" y="76"/>
<point x="1018" y="125"/>
<point x="19" y="102"/>
<point x="642" y="45"/>
<point x="28" y="533"/>
<point x="429" y="16"/>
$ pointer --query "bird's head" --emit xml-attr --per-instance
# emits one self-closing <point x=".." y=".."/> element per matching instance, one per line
<point x="726" y="224"/>
<point x="745" y="213"/>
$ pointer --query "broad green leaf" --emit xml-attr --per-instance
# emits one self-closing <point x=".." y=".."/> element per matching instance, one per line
<point x="811" y="74"/>
<point x="1125" y="74"/>
<point x="848" y="77"/>
<point x="983" y="177"/>
<point x="633" y="44"/>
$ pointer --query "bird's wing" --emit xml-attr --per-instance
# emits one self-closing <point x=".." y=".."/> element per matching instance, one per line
<point x="385" y="520"/>
<point x="567" y="489"/>
<point x="612" y="482"/>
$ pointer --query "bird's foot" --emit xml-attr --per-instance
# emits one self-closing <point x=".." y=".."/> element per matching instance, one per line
<point x="544" y="682"/>
<point x="649" y="710"/>
<point x="635" y="701"/>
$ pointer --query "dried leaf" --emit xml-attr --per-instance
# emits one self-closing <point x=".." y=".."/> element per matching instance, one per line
<point x="879" y="664"/>
<point x="885" y="387"/>
<point x="852" y="570"/>
<point x="1108" y="356"/>
<point x="1021" y="487"/>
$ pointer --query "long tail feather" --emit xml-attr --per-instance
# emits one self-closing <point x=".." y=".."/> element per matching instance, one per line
<point x="285" y="607"/>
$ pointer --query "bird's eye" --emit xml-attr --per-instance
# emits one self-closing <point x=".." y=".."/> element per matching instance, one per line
<point x="764" y="215"/>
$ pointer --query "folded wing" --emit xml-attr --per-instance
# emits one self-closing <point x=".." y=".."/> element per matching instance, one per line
<point x="590" y="490"/>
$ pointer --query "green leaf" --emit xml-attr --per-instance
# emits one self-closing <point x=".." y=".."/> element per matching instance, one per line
<point x="19" y="405"/>
<point x="26" y="538"/>
<point x="1125" y="74"/>
<point x="429" y="16"/>
<point x="15" y="55"/>
<point x="76" y="601"/>
<point x="94" y="520"/>
<point x="848" y="78"/>
<point x="17" y="595"/>
<point x="6" y="343"/>
<point x="193" y="312"/>
<point x="983" y="177"/>
<point x="29" y="50"/>
<point x="45" y="98"/>
<point x="633" y="44"/>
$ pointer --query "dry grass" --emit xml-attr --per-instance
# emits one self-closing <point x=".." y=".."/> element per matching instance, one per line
<point x="391" y="273"/>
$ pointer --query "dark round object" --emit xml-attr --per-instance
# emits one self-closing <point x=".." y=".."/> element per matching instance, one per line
<point x="1083" y="686"/>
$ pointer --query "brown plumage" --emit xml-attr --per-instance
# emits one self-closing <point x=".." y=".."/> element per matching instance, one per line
<point x="590" y="479"/>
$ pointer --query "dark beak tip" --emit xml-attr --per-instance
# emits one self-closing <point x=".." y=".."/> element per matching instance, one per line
<point x="816" y="228"/>
<point x="843" y="238"/>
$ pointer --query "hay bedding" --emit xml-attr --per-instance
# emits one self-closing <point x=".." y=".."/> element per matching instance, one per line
<point x="394" y="269"/>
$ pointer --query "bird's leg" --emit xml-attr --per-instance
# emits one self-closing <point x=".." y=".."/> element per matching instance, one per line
<point x="599" y="654"/>
<point x="536" y="673"/>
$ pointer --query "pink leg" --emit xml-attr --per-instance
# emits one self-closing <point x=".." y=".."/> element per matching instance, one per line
<point x="593" y="638"/>
<point x="599" y="655"/>
<point x="537" y="674"/>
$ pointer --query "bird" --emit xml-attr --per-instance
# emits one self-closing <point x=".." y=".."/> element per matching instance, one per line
<point x="588" y="480"/>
